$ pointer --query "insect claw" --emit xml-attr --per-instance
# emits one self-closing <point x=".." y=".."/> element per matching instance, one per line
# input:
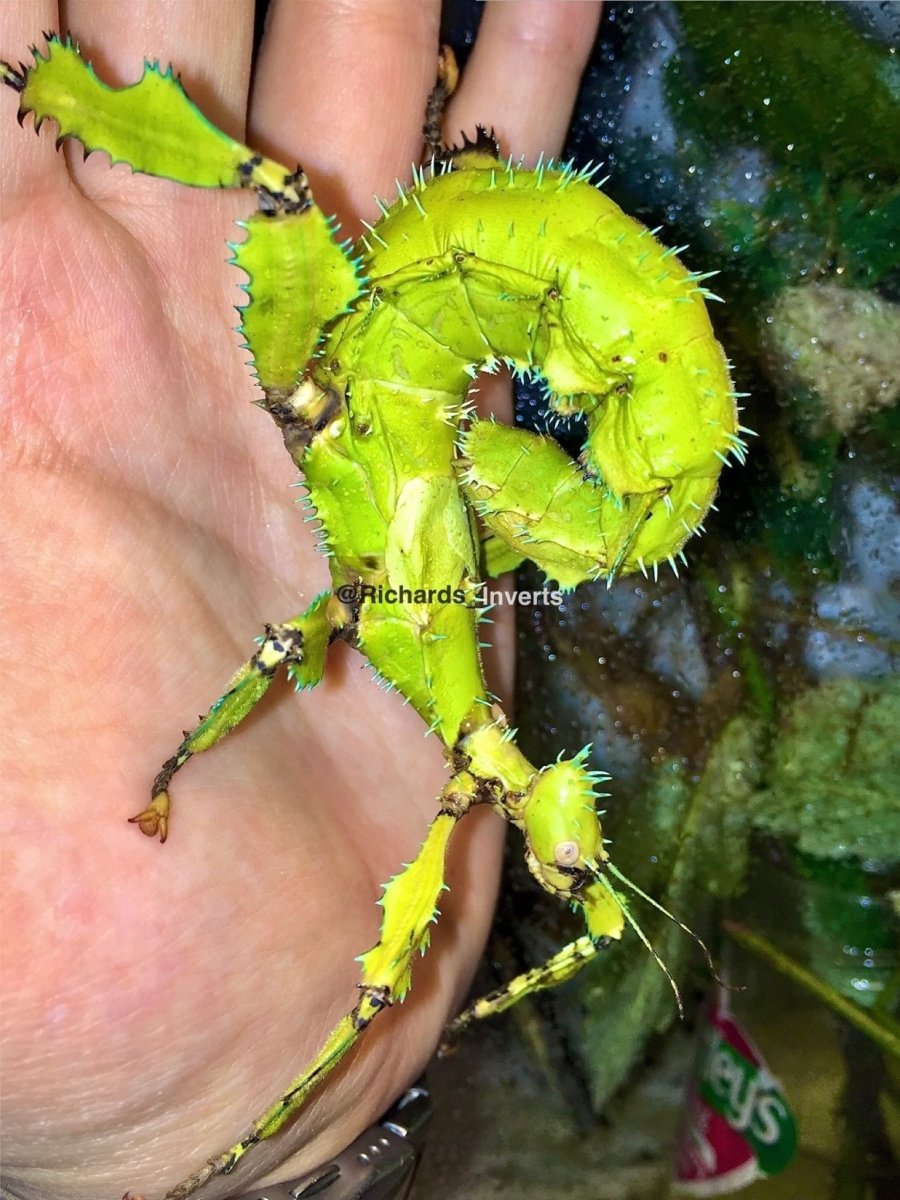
<point x="155" y="818"/>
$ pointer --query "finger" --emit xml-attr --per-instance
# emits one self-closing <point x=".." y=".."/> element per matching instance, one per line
<point x="524" y="72"/>
<point x="29" y="164"/>
<point x="522" y="77"/>
<point x="342" y="85"/>
<point x="209" y="43"/>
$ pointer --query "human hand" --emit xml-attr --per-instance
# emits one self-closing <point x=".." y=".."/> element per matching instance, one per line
<point x="156" y="1000"/>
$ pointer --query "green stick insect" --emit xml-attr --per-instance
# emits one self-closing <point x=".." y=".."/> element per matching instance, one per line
<point x="365" y="356"/>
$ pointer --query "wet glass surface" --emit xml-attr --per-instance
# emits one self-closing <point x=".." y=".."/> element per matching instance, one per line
<point x="755" y="695"/>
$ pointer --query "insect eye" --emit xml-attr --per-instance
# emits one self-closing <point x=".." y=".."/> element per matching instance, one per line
<point x="566" y="853"/>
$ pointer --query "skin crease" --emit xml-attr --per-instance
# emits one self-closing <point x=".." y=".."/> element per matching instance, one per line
<point x="155" y="999"/>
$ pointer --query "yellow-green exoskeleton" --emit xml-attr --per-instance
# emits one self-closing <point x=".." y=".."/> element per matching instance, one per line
<point x="365" y="355"/>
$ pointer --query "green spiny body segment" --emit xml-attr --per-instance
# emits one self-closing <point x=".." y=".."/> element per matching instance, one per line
<point x="463" y="272"/>
<point x="365" y="357"/>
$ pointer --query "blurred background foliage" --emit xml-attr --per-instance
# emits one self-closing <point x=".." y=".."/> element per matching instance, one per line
<point x="747" y="711"/>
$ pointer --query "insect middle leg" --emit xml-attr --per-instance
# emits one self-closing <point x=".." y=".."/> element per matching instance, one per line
<point x="299" y="645"/>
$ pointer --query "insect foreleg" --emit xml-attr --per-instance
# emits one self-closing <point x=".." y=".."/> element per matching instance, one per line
<point x="409" y="907"/>
<point x="300" y="645"/>
<point x="556" y="970"/>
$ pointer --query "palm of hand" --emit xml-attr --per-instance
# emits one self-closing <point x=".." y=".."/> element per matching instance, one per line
<point x="155" y="999"/>
<point x="158" y="532"/>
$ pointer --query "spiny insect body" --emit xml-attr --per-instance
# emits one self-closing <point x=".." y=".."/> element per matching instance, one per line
<point x="365" y="356"/>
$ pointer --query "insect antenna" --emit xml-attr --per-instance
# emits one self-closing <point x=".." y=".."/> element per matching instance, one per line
<point x="626" y="913"/>
<point x="710" y="961"/>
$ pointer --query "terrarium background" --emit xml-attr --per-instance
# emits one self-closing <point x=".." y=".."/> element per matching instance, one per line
<point x="752" y="703"/>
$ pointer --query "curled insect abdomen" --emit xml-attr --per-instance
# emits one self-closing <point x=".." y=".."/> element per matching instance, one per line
<point x="540" y="270"/>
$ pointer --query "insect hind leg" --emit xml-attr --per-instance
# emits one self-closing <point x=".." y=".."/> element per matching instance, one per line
<point x="587" y="533"/>
<point x="299" y="645"/>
